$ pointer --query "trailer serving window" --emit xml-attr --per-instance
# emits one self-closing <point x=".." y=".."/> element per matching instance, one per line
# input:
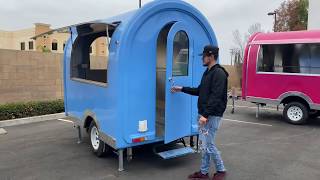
<point x="90" y="51"/>
<point x="315" y="58"/>
<point x="289" y="58"/>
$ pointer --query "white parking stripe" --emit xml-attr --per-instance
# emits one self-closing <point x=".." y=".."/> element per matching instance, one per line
<point x="2" y="131"/>
<point x="246" y="122"/>
<point x="64" y="120"/>
<point x="225" y="119"/>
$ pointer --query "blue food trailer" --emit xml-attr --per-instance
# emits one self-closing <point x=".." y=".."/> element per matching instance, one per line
<point x="129" y="103"/>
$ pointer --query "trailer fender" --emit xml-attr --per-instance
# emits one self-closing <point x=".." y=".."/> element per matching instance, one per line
<point x="88" y="117"/>
<point x="295" y="96"/>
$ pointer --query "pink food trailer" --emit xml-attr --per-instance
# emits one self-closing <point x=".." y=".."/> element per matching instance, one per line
<point x="284" y="68"/>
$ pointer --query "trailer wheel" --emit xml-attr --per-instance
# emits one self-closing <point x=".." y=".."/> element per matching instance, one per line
<point x="98" y="146"/>
<point x="296" y="113"/>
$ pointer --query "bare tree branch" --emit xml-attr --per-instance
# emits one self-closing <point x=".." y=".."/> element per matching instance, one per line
<point x="240" y="41"/>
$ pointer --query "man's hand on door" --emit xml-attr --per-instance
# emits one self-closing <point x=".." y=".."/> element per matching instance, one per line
<point x="175" y="89"/>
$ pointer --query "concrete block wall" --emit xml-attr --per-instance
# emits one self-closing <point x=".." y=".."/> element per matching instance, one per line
<point x="235" y="73"/>
<point x="30" y="76"/>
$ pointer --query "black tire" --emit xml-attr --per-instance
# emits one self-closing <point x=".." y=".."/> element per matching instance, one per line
<point x="100" y="149"/>
<point x="314" y="114"/>
<point x="296" y="113"/>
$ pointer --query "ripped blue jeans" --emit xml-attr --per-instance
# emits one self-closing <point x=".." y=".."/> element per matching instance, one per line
<point x="207" y="134"/>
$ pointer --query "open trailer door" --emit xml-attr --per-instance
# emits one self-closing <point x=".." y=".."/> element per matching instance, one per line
<point x="178" y="72"/>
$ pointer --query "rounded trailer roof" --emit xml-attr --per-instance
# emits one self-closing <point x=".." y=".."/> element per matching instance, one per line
<point x="286" y="37"/>
<point x="131" y="21"/>
<point x="128" y="21"/>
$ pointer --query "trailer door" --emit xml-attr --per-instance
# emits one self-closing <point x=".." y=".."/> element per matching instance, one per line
<point x="178" y="72"/>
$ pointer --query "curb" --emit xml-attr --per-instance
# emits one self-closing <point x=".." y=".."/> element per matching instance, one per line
<point x="28" y="120"/>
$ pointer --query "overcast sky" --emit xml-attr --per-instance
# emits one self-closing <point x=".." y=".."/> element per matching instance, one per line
<point x="225" y="16"/>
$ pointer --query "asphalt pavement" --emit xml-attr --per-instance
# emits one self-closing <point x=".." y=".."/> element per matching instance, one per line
<point x="264" y="148"/>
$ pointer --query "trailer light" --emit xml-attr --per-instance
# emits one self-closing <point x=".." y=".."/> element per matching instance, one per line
<point x="137" y="140"/>
<point x="143" y="126"/>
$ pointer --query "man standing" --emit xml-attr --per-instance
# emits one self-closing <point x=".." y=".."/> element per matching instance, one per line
<point x="212" y="103"/>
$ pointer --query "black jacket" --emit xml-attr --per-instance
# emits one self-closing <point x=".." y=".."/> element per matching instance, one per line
<point x="212" y="92"/>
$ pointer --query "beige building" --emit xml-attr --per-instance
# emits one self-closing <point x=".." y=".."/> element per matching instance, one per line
<point x="17" y="39"/>
<point x="21" y="40"/>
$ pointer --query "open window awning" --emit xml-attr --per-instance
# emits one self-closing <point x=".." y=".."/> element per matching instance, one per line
<point x="83" y="28"/>
<point x="111" y="23"/>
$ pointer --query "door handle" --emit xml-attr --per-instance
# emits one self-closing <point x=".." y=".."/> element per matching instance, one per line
<point x="171" y="81"/>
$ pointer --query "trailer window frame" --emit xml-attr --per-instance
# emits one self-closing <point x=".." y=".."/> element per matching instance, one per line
<point x="180" y="59"/>
<point x="80" y="68"/>
<point x="310" y="59"/>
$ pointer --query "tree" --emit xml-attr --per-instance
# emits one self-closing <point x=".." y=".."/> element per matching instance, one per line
<point x="237" y="52"/>
<point x="240" y="41"/>
<point x="292" y="15"/>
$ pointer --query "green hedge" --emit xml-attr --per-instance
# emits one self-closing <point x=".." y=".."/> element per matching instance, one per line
<point x="28" y="109"/>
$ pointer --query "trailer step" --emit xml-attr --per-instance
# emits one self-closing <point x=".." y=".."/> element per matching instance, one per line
<point x="176" y="153"/>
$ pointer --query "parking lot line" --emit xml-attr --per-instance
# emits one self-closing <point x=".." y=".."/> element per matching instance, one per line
<point x="64" y="120"/>
<point x="225" y="119"/>
<point x="2" y="131"/>
<point x="246" y="122"/>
